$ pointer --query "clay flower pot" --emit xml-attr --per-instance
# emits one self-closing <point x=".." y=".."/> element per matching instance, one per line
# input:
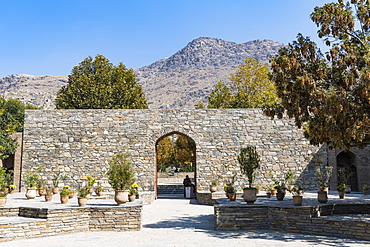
<point x="82" y="201"/>
<point x="121" y="197"/>
<point x="250" y="195"/>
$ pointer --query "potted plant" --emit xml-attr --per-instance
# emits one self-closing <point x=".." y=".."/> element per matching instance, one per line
<point x="99" y="190"/>
<point x="121" y="176"/>
<point x="90" y="183"/>
<point x="31" y="181"/>
<point x="341" y="190"/>
<point x="280" y="190"/>
<point x="249" y="161"/>
<point x="297" y="193"/>
<point x="213" y="186"/>
<point x="82" y="194"/>
<point x="12" y="187"/>
<point x="133" y="192"/>
<point x="366" y="189"/>
<point x="322" y="172"/>
<point x="64" y="195"/>
<point x="230" y="188"/>
<point x="3" y="186"/>
<point x="271" y="189"/>
<point x="56" y="179"/>
<point x="41" y="187"/>
<point x="48" y="193"/>
<point x="290" y="179"/>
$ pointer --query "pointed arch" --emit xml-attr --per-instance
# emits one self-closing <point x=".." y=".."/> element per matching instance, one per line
<point x="347" y="160"/>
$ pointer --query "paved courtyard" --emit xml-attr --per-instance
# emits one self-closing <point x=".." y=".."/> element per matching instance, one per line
<point x="174" y="221"/>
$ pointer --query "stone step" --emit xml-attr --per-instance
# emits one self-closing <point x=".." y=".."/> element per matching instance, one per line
<point x="170" y="189"/>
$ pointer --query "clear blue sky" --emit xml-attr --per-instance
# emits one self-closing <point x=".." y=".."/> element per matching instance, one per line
<point x="42" y="37"/>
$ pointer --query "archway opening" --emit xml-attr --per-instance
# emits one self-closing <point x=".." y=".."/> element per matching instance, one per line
<point x="347" y="170"/>
<point x="176" y="158"/>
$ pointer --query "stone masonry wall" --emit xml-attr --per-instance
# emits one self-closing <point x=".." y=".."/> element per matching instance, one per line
<point x="81" y="142"/>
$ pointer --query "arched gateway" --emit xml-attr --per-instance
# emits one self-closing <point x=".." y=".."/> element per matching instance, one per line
<point x="81" y="142"/>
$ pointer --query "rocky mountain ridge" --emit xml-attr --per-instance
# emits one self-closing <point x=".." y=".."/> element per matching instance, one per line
<point x="179" y="81"/>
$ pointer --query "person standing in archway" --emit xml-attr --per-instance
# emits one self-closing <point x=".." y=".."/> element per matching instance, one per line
<point x="188" y="185"/>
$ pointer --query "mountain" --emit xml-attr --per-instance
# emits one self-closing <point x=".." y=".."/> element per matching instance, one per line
<point x="179" y="81"/>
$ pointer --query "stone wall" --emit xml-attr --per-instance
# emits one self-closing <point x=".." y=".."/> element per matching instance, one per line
<point x="41" y="222"/>
<point x="328" y="220"/>
<point x="81" y="142"/>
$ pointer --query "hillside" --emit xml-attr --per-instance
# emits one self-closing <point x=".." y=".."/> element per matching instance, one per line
<point x="179" y="81"/>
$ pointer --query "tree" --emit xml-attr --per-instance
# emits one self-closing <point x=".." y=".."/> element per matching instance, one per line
<point x="328" y="95"/>
<point x="250" y="87"/>
<point x="165" y="153"/>
<point x="98" y="84"/>
<point x="7" y="127"/>
<point x="11" y="120"/>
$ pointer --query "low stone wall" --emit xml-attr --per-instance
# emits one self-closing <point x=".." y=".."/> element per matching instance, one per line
<point x="329" y="220"/>
<point x="40" y="222"/>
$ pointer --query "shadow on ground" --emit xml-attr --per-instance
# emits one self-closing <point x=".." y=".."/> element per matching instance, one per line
<point x="205" y="224"/>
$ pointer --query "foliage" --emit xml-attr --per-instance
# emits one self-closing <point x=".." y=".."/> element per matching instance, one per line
<point x="328" y="95"/>
<point x="90" y="180"/>
<point x="249" y="161"/>
<point x="250" y="87"/>
<point x="214" y="183"/>
<point x="178" y="152"/>
<point x="344" y="175"/>
<point x="65" y="192"/>
<point x="279" y="184"/>
<point x="366" y="187"/>
<point x="82" y="192"/>
<point x="56" y="179"/>
<point x="290" y="177"/>
<point x="297" y="191"/>
<point x="229" y="184"/>
<point x="48" y="190"/>
<point x="99" y="188"/>
<point x="98" y="84"/>
<point x="121" y="174"/>
<point x="323" y="174"/>
<point x="134" y="189"/>
<point x="6" y="178"/>
<point x="341" y="187"/>
<point x="31" y="179"/>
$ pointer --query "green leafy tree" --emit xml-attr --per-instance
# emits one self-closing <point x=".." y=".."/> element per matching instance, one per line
<point x="250" y="87"/>
<point x="165" y="153"/>
<point x="11" y="120"/>
<point x="328" y="95"/>
<point x="184" y="152"/>
<point x="220" y="97"/>
<point x="98" y="84"/>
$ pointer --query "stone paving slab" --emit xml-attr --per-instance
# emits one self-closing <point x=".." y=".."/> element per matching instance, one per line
<point x="174" y="221"/>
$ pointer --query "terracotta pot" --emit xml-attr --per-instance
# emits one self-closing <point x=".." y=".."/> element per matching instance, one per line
<point x="64" y="198"/>
<point x="290" y="187"/>
<point x="213" y="188"/>
<point x="268" y="194"/>
<point x="48" y="197"/>
<point x="55" y="190"/>
<point x="31" y="193"/>
<point x="322" y="196"/>
<point x="280" y="196"/>
<point x="341" y="194"/>
<point x="366" y="192"/>
<point x="71" y="194"/>
<point x="99" y="193"/>
<point x="324" y="189"/>
<point x="273" y="192"/>
<point x="82" y="201"/>
<point x="297" y="200"/>
<point x="232" y="196"/>
<point x="131" y="198"/>
<point x="121" y="197"/>
<point x="250" y="195"/>
<point x="42" y="192"/>
<point x="3" y="201"/>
